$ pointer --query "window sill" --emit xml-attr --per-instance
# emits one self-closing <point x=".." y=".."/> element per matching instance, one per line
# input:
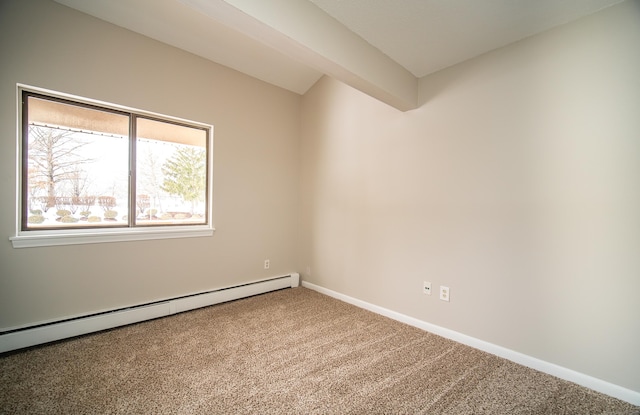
<point x="47" y="238"/>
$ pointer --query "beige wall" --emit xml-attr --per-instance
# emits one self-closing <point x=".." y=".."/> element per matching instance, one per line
<point x="516" y="184"/>
<point x="255" y="173"/>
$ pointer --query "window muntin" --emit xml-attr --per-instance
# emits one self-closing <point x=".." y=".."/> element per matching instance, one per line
<point x="94" y="167"/>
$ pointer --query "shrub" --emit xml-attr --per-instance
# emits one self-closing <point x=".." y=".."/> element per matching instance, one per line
<point x="110" y="214"/>
<point x="45" y="202"/>
<point x="94" y="219"/>
<point x="63" y="212"/>
<point x="86" y="201"/>
<point x="68" y="219"/>
<point x="149" y="214"/>
<point x="143" y="202"/>
<point x="36" y="219"/>
<point x="106" y="202"/>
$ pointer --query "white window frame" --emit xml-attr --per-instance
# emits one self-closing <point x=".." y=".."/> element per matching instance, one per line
<point x="53" y="237"/>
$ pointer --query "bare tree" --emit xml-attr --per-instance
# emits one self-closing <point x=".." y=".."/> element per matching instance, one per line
<point x="79" y="182"/>
<point x="107" y="202"/>
<point x="36" y="187"/>
<point x="143" y="202"/>
<point x="78" y="186"/>
<point x="86" y="202"/>
<point x="150" y="176"/>
<point x="54" y="156"/>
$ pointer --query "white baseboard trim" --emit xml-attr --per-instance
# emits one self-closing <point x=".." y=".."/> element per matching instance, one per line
<point x="581" y="379"/>
<point x="21" y="337"/>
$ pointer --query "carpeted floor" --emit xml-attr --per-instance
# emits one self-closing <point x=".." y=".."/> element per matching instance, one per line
<point x="293" y="351"/>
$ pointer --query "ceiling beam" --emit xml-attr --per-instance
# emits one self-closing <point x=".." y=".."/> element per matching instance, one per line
<point x="304" y="32"/>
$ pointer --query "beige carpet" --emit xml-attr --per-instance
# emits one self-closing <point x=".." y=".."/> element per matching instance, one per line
<point x="288" y="352"/>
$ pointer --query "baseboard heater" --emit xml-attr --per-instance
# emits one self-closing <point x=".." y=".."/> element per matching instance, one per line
<point x="32" y="335"/>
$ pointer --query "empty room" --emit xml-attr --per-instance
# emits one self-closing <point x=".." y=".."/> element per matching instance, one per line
<point x="320" y="206"/>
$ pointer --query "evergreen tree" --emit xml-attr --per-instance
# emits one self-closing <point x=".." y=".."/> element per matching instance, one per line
<point x="185" y="174"/>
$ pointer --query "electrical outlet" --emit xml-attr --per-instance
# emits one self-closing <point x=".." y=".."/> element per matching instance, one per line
<point x="266" y="264"/>
<point x="444" y="293"/>
<point x="426" y="288"/>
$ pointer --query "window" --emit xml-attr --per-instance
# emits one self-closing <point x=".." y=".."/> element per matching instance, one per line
<point x="94" y="172"/>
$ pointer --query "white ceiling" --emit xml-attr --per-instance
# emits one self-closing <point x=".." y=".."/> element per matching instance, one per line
<point x="428" y="35"/>
<point x="381" y="47"/>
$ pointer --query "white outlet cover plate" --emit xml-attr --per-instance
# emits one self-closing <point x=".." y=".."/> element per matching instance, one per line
<point x="426" y="288"/>
<point x="445" y="293"/>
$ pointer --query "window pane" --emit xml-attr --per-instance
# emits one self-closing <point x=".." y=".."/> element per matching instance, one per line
<point x="171" y="173"/>
<point x="76" y="166"/>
